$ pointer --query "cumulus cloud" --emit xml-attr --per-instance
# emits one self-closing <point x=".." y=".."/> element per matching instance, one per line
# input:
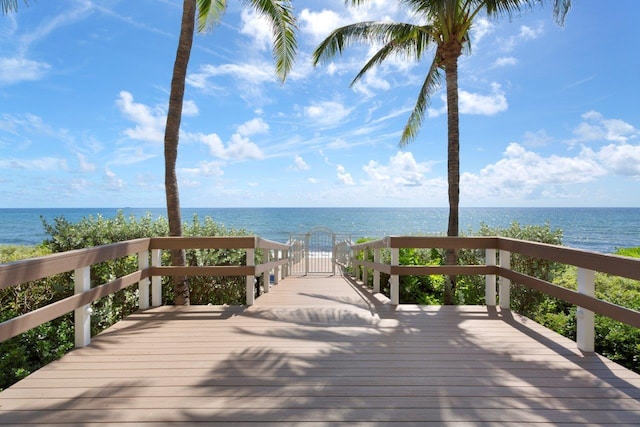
<point x="111" y="180"/>
<point x="208" y="169"/>
<point x="149" y="122"/>
<point x="15" y="70"/>
<point x="253" y="127"/>
<point x="522" y="173"/>
<point x="319" y="25"/>
<point x="300" y="164"/>
<point x="621" y="159"/>
<point x="596" y="128"/>
<point x="526" y="33"/>
<point x="256" y="27"/>
<point x="474" y="103"/>
<point x="402" y="170"/>
<point x="505" y="61"/>
<point x="240" y="146"/>
<point x="327" y="113"/>
<point x="344" y="177"/>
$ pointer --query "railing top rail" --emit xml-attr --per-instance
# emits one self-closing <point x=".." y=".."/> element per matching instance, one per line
<point x="215" y="242"/>
<point x="604" y="263"/>
<point x="211" y="242"/>
<point x="31" y="269"/>
<point x="270" y="244"/>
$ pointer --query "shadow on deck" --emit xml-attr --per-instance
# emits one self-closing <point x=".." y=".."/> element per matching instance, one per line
<point x="324" y="350"/>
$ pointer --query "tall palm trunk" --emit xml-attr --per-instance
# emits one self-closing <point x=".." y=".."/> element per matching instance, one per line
<point x="171" y="139"/>
<point x="450" y="55"/>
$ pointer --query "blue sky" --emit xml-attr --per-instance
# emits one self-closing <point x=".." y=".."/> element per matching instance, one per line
<point x="549" y="116"/>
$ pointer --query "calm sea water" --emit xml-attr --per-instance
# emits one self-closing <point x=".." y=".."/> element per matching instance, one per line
<point x="596" y="229"/>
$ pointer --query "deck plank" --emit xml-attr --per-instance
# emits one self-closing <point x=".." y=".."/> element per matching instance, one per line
<point x="322" y="350"/>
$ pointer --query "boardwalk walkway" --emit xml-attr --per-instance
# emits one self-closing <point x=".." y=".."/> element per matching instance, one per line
<point x="320" y="351"/>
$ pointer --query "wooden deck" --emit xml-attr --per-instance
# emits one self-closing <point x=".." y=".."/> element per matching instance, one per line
<point x="320" y="351"/>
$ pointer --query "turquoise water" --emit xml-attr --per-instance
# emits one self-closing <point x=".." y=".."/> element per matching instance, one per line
<point x="596" y="229"/>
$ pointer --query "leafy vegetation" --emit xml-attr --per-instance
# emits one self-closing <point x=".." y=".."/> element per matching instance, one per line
<point x="615" y="340"/>
<point x="29" y="351"/>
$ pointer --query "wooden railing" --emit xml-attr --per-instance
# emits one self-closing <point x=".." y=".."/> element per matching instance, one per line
<point x="147" y="276"/>
<point x="497" y="271"/>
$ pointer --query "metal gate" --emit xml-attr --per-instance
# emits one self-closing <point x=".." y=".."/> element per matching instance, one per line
<point x="313" y="252"/>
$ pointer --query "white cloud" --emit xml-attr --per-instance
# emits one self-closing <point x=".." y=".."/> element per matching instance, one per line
<point x="505" y="61"/>
<point x="536" y="139"/>
<point x="189" y="108"/>
<point x="486" y="105"/>
<point x="526" y="33"/>
<point x="481" y="28"/>
<point x="327" y="113"/>
<point x="253" y="127"/>
<point x="474" y="103"/>
<point x="621" y="159"/>
<point x="249" y="73"/>
<point x="596" y="128"/>
<point x="111" y="180"/>
<point x="46" y="164"/>
<point x="320" y="24"/>
<point x="402" y="170"/>
<point x="149" y="122"/>
<point x="239" y="147"/>
<point x="525" y="174"/>
<point x="213" y="168"/>
<point x="256" y="27"/>
<point x="85" y="166"/>
<point x="15" y="70"/>
<point x="344" y="177"/>
<point x="130" y="156"/>
<point x="300" y="164"/>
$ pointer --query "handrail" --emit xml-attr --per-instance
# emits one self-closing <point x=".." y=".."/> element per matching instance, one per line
<point x="587" y="262"/>
<point x="80" y="260"/>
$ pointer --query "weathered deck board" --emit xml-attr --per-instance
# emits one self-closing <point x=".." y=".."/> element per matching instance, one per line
<point x="317" y="351"/>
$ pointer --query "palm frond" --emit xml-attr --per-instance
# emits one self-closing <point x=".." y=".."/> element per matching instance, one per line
<point x="282" y="19"/>
<point x="430" y="85"/>
<point x="209" y="13"/>
<point x="10" y="6"/>
<point x="407" y="40"/>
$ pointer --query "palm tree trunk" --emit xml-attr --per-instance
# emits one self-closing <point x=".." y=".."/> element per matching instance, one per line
<point x="453" y="164"/>
<point x="171" y="139"/>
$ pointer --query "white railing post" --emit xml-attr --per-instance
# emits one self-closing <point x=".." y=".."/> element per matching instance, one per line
<point x="505" y="284"/>
<point x="82" y="315"/>
<point x="376" y="273"/>
<point x="307" y="239"/>
<point x="395" y="279"/>
<point x="356" y="266"/>
<point x="333" y="254"/>
<point x="285" y="267"/>
<point x="266" y="275"/>
<point x="276" y="270"/>
<point x="156" y="281"/>
<point x="585" y="333"/>
<point x="251" y="253"/>
<point x="143" y="285"/>
<point x="365" y="271"/>
<point x="490" y="279"/>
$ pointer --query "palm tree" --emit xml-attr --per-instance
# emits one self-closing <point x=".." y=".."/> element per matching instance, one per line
<point x="10" y="5"/>
<point x="280" y="15"/>
<point x="446" y="31"/>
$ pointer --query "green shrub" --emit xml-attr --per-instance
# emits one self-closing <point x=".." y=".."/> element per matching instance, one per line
<point x="33" y="349"/>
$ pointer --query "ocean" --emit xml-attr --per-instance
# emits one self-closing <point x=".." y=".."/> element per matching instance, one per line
<point x="594" y="229"/>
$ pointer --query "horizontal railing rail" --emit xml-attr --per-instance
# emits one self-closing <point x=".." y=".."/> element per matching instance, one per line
<point x="500" y="275"/>
<point x="275" y="257"/>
